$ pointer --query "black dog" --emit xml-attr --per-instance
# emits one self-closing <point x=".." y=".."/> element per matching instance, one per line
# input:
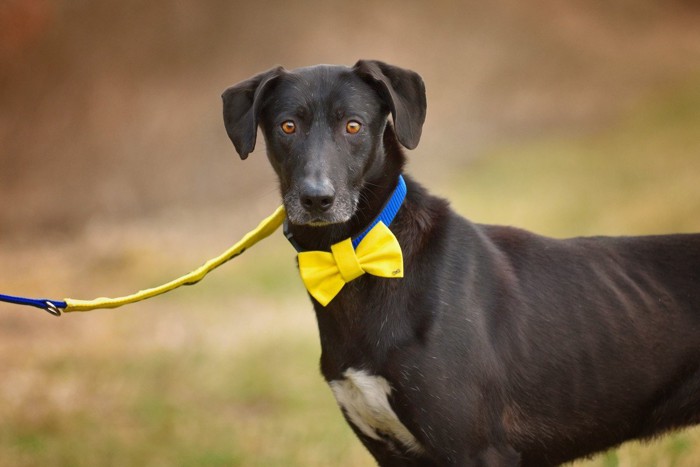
<point x="498" y="346"/>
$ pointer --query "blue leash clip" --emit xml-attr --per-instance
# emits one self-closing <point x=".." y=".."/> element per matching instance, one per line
<point x="53" y="307"/>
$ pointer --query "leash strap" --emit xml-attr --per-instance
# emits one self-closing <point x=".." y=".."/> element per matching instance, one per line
<point x="263" y="230"/>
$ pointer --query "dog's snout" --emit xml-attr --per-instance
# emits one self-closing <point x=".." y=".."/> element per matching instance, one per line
<point x="317" y="197"/>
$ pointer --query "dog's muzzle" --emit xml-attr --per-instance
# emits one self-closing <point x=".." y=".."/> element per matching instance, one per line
<point x="319" y="207"/>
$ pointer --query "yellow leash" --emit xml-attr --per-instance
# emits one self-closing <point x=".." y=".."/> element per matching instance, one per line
<point x="263" y="230"/>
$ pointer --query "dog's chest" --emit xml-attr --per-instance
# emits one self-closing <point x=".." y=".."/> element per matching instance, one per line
<point x="365" y="400"/>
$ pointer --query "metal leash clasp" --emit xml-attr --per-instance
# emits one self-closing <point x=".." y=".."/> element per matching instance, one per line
<point x="52" y="309"/>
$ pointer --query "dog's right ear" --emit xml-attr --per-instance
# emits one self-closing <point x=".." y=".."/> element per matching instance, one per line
<point x="241" y="107"/>
<point x="404" y="92"/>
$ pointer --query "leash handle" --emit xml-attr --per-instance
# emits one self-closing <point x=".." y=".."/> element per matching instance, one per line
<point x="54" y="307"/>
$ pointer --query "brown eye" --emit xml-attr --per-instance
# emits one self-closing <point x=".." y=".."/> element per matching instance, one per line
<point x="288" y="127"/>
<point x="353" y="127"/>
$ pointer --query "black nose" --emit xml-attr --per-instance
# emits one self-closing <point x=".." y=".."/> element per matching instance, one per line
<point x="317" y="197"/>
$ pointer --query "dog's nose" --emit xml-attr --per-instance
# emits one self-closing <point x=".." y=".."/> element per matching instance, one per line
<point x="317" y="197"/>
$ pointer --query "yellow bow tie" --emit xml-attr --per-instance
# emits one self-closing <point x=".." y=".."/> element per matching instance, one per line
<point x="324" y="274"/>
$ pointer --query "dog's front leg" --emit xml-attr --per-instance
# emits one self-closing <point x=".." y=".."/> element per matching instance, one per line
<point x="493" y="456"/>
<point x="387" y="454"/>
<point x="490" y="457"/>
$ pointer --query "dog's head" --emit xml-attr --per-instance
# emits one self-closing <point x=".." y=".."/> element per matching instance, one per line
<point x="323" y="127"/>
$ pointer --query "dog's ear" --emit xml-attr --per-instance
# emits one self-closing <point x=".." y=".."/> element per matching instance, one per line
<point x="404" y="92"/>
<point x="241" y="106"/>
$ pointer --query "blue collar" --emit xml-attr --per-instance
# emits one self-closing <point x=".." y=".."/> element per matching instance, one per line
<point x="386" y="215"/>
<point x="388" y="212"/>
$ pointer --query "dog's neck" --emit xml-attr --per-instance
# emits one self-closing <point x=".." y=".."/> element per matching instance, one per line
<point x="374" y="194"/>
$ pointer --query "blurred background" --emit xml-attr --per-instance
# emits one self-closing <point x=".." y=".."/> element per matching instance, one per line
<point x="566" y="118"/>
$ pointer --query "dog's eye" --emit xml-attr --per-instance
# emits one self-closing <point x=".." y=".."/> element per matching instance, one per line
<point x="288" y="127"/>
<point x="353" y="127"/>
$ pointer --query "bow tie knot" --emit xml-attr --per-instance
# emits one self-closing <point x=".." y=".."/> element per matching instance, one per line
<point x="346" y="260"/>
<point x="324" y="274"/>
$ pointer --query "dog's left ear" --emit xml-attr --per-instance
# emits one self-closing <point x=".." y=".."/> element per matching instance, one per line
<point x="404" y="92"/>
<point x="241" y="105"/>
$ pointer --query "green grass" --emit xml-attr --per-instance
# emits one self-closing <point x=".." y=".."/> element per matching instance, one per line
<point x="226" y="373"/>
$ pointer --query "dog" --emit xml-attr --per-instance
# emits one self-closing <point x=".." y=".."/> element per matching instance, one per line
<point x="497" y="347"/>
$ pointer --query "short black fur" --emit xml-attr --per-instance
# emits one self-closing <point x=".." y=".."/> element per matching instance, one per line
<point x="501" y="347"/>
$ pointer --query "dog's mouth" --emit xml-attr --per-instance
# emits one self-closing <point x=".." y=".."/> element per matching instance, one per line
<point x="342" y="210"/>
<point x="301" y="217"/>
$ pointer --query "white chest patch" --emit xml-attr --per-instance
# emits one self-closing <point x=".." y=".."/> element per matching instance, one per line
<point x="364" y="398"/>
